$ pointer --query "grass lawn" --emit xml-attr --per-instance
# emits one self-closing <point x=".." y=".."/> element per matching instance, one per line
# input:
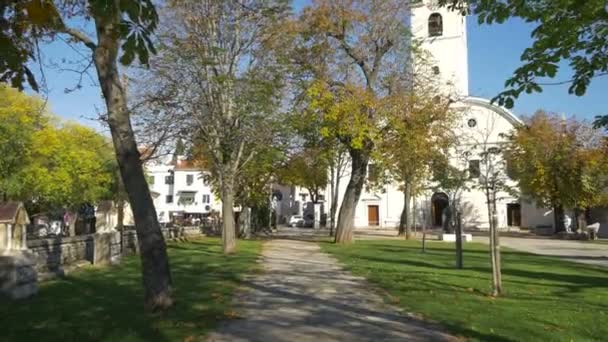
<point x="106" y="304"/>
<point x="546" y="299"/>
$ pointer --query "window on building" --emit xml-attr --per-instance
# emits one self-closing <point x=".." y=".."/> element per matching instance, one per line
<point x="372" y="173"/>
<point x="436" y="70"/>
<point x="494" y="150"/>
<point x="189" y="179"/>
<point x="186" y="200"/>
<point x="321" y="198"/>
<point x="510" y="169"/>
<point x="169" y="198"/>
<point x="435" y="25"/>
<point x="206" y="198"/>
<point x="168" y="179"/>
<point x="474" y="169"/>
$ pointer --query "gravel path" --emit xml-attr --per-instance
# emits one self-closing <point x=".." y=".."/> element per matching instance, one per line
<point x="304" y="295"/>
<point x="577" y="251"/>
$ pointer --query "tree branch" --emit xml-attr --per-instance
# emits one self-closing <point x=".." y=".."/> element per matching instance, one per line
<point x="79" y="37"/>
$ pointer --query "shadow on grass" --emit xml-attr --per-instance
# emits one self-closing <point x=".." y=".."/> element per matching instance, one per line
<point x="539" y="291"/>
<point x="107" y="304"/>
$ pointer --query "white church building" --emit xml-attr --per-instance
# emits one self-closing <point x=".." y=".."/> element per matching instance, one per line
<point x="443" y="34"/>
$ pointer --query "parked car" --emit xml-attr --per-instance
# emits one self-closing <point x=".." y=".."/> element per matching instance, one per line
<point x="295" y="221"/>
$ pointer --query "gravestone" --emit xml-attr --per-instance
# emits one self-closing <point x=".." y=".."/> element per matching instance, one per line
<point x="106" y="217"/>
<point x="18" y="277"/>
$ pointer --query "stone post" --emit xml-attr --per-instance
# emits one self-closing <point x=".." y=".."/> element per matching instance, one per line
<point x="18" y="277"/>
<point x="317" y="216"/>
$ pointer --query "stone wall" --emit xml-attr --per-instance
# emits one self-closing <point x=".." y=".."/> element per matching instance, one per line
<point x="18" y="278"/>
<point x="54" y="256"/>
<point x="51" y="255"/>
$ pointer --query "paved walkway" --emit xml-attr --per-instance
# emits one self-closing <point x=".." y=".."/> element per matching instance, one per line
<point x="577" y="251"/>
<point x="304" y="295"/>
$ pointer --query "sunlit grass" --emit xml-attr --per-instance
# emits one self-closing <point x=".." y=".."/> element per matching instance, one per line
<point x="545" y="299"/>
<point x="106" y="304"/>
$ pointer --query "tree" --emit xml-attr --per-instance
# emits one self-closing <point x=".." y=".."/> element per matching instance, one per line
<point x="43" y="162"/>
<point x="338" y="164"/>
<point x="216" y="66"/>
<point x="60" y="173"/>
<point x="254" y="186"/>
<point x="419" y="133"/>
<point x="307" y="169"/>
<point x="352" y="50"/>
<point x="323" y="151"/>
<point x="180" y="148"/>
<point x="567" y="173"/>
<point x="494" y="182"/>
<point x="20" y="117"/>
<point x="567" y="30"/>
<point x="122" y="32"/>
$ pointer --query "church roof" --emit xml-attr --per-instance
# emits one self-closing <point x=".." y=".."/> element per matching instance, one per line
<point x="502" y="111"/>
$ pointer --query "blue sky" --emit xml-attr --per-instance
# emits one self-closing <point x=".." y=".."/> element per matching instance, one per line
<point x="494" y="53"/>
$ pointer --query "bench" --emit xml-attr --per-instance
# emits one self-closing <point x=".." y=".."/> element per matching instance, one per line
<point x="452" y="237"/>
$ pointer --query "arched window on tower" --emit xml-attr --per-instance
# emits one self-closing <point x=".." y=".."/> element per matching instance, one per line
<point x="435" y="25"/>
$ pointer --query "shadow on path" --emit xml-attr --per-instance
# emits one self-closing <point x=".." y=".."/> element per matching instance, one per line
<point x="304" y="295"/>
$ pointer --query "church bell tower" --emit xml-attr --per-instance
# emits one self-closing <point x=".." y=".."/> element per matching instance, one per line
<point x="443" y="34"/>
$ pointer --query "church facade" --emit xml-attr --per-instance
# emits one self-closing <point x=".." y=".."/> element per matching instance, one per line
<point x="482" y="126"/>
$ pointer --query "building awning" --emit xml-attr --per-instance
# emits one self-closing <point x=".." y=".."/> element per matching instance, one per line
<point x="187" y="192"/>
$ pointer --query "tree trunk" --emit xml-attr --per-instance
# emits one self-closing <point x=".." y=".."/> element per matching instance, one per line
<point x="497" y="254"/>
<point x="72" y="223"/>
<point x="492" y="241"/>
<point x="414" y="216"/>
<point x="120" y="218"/>
<point x="154" y="260"/>
<point x="558" y="218"/>
<point x="228" y="228"/>
<point x="459" y="240"/>
<point x="405" y="227"/>
<point x="334" y="198"/>
<point x="423" y="232"/>
<point x="346" y="217"/>
<point x="120" y="215"/>
<point x="403" y="217"/>
<point x="581" y="219"/>
<point x="332" y="190"/>
<point x="494" y="245"/>
<point x="245" y="223"/>
<point x="120" y="203"/>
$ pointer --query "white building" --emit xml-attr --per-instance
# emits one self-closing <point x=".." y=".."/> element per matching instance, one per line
<point x="443" y="35"/>
<point x="183" y="191"/>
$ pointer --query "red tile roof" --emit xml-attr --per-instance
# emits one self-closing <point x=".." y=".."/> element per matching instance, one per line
<point x="185" y="165"/>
